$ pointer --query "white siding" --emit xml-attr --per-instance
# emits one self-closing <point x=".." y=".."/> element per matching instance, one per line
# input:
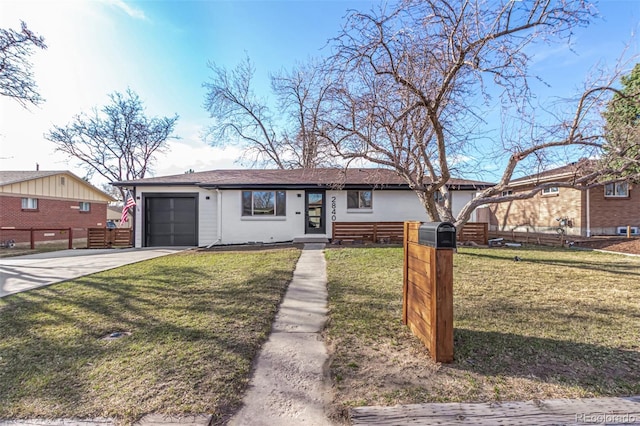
<point x="459" y="200"/>
<point x="237" y="229"/>
<point x="207" y="212"/>
<point x="388" y="206"/>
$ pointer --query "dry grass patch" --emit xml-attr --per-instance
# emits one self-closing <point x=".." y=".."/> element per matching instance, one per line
<point x="560" y="323"/>
<point x="196" y="320"/>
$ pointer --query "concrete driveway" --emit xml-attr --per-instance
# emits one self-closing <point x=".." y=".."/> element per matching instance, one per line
<point x="22" y="273"/>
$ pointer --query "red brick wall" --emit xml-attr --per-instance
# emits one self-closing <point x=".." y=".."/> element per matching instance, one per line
<point x="51" y="213"/>
<point x="609" y="213"/>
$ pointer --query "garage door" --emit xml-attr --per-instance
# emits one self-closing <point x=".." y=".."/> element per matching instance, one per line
<point x="171" y="220"/>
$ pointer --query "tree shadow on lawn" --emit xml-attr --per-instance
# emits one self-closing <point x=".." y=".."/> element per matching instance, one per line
<point x="222" y="324"/>
<point x="597" y="369"/>
<point x="529" y="256"/>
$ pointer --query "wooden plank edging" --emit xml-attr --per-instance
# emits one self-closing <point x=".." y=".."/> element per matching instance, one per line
<point x="609" y="410"/>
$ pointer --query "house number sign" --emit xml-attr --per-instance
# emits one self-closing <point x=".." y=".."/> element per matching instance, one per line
<point x="333" y="208"/>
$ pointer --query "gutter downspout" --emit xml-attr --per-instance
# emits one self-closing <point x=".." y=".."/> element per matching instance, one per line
<point x="219" y="207"/>
<point x="588" y="216"/>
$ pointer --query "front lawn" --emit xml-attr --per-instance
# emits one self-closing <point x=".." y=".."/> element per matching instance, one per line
<point x="559" y="323"/>
<point x="196" y="321"/>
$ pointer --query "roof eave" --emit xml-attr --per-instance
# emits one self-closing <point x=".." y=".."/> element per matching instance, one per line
<point x="135" y="183"/>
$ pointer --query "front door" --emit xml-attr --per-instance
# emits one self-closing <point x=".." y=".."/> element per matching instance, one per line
<point x="314" y="212"/>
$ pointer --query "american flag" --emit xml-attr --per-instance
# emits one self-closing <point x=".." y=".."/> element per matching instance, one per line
<point x="128" y="203"/>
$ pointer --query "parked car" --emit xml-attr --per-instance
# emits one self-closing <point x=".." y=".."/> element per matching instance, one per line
<point x="111" y="224"/>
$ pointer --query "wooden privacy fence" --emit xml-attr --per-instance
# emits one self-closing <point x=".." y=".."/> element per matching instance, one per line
<point x="428" y="294"/>
<point x="390" y="232"/>
<point x="107" y="238"/>
<point x="477" y="232"/>
<point x="375" y="232"/>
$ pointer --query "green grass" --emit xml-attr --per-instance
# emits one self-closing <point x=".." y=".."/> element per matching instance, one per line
<point x="560" y="323"/>
<point x="196" y="320"/>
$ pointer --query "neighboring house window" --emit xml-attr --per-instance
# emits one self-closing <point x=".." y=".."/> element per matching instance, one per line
<point x="359" y="199"/>
<point x="550" y="191"/>
<point x="264" y="203"/>
<point x="85" y="207"/>
<point x="30" y="204"/>
<point x="617" y="189"/>
<point x="507" y="193"/>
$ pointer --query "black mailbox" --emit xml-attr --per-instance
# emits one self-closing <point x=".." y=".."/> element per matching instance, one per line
<point x="437" y="234"/>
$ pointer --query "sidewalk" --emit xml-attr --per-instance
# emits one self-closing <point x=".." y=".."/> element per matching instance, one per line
<point x="289" y="383"/>
<point x="22" y="273"/>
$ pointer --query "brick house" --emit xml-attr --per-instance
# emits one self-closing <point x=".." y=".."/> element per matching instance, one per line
<point x="601" y="210"/>
<point x="49" y="199"/>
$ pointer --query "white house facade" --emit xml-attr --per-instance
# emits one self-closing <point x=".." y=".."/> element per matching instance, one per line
<point x="268" y="206"/>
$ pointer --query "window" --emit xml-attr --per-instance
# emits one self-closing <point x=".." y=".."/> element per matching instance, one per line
<point x="359" y="199"/>
<point x="553" y="190"/>
<point x="84" y="206"/>
<point x="617" y="189"/>
<point x="438" y="197"/>
<point x="507" y="193"/>
<point x="264" y="203"/>
<point x="30" y="204"/>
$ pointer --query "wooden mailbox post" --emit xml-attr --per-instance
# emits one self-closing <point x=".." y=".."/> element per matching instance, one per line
<point x="428" y="293"/>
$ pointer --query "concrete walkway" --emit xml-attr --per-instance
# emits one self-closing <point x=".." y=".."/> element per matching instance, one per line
<point x="288" y="386"/>
<point x="22" y="273"/>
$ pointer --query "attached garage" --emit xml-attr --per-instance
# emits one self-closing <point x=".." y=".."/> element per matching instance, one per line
<point x="170" y="219"/>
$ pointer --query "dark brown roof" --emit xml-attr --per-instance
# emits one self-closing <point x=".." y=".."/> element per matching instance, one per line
<point x="296" y="178"/>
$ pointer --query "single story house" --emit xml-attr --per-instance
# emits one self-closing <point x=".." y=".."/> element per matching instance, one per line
<point x="114" y="214"/>
<point x="241" y="206"/>
<point x="602" y="210"/>
<point x="49" y="199"/>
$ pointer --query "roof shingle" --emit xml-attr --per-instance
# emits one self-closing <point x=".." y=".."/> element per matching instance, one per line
<point x="296" y="178"/>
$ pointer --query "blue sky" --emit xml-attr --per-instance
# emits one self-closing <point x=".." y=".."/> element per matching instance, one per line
<point x="160" y="49"/>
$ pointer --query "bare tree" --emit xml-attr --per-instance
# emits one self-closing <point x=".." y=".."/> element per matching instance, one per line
<point x="16" y="78"/>
<point x="411" y="84"/>
<point x="302" y="93"/>
<point x="119" y="142"/>
<point x="288" y="140"/>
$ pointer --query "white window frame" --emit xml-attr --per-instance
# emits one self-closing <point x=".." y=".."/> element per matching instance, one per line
<point x="507" y="193"/>
<point x="361" y="201"/>
<point x="84" y="206"/>
<point x="552" y="190"/>
<point x="615" y="188"/>
<point x="279" y="204"/>
<point x="29" y="204"/>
